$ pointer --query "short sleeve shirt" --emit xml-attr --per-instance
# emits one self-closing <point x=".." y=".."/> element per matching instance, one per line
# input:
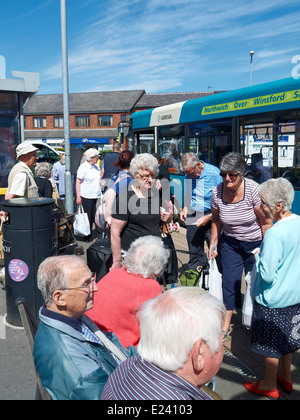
<point x="141" y="214"/>
<point x="90" y="176"/>
<point x="201" y="189"/>
<point x="239" y="219"/>
<point x="18" y="186"/>
<point x="19" y="183"/>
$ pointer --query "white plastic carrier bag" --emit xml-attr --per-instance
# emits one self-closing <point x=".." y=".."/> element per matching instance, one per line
<point x="81" y="223"/>
<point x="247" y="309"/>
<point x="215" y="281"/>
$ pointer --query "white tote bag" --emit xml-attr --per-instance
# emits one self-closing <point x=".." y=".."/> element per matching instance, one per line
<point x="215" y="281"/>
<point x="81" y="223"/>
<point x="247" y="309"/>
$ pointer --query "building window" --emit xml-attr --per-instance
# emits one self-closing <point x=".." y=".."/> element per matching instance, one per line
<point x="82" y="121"/>
<point x="40" y="122"/>
<point x="123" y="118"/>
<point x="58" y="122"/>
<point x="105" y="120"/>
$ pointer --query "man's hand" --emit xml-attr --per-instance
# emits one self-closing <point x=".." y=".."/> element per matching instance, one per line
<point x="183" y="214"/>
<point x="202" y="221"/>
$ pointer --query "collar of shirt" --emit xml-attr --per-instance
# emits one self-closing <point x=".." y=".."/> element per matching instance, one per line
<point x="26" y="167"/>
<point x="204" y="170"/>
<point x="203" y="173"/>
<point x="78" y="325"/>
<point x="72" y="322"/>
<point x="182" y="385"/>
<point x="169" y="381"/>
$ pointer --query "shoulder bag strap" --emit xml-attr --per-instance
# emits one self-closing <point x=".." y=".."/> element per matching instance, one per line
<point x="105" y="340"/>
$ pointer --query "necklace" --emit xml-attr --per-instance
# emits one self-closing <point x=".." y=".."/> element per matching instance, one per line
<point x="235" y="193"/>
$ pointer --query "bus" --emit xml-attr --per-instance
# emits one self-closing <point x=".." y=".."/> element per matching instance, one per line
<point x="261" y="122"/>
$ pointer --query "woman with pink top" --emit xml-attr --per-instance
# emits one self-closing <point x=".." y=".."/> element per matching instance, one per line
<point x="238" y="227"/>
<point x="123" y="290"/>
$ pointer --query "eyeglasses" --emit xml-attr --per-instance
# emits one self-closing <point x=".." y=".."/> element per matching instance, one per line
<point x="87" y="286"/>
<point x="152" y="176"/>
<point x="231" y="176"/>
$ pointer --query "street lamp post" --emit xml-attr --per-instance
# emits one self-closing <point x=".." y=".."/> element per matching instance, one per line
<point x="251" y="59"/>
<point x="65" y="76"/>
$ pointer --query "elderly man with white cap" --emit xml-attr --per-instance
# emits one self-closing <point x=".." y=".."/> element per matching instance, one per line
<point x="88" y="185"/>
<point x="21" y="179"/>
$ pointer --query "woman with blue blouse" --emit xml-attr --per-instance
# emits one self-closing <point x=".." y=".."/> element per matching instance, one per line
<point x="276" y="315"/>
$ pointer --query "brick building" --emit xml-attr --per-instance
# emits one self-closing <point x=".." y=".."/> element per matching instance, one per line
<point x="94" y="117"/>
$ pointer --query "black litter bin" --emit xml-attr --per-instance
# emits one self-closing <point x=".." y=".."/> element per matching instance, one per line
<point x="29" y="237"/>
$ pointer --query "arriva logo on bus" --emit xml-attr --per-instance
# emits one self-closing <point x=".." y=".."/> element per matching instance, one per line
<point x="164" y="117"/>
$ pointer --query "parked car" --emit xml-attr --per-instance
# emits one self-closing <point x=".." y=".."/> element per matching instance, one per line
<point x="46" y="153"/>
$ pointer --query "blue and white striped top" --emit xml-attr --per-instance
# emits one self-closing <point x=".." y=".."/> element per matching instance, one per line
<point x="135" y="379"/>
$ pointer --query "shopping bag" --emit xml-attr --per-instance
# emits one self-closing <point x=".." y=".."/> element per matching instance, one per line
<point x="170" y="275"/>
<point x="247" y="309"/>
<point x="215" y="281"/>
<point x="190" y="278"/>
<point x="99" y="257"/>
<point x="81" y="223"/>
<point x="100" y="219"/>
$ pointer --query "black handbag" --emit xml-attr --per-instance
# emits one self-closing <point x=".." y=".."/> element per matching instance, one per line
<point x="99" y="257"/>
<point x="171" y="272"/>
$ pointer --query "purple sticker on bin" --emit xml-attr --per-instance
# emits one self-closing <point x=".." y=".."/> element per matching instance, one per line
<point x="18" y="270"/>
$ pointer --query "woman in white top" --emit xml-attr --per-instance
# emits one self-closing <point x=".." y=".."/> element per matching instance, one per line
<point x="88" y="186"/>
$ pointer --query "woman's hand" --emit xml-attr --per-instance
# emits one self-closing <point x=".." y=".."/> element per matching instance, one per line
<point x="212" y="252"/>
<point x="117" y="264"/>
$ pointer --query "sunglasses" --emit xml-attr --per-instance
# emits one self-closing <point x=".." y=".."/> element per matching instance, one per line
<point x="231" y="176"/>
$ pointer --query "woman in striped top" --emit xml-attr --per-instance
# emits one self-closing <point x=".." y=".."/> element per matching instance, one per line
<point x="239" y="222"/>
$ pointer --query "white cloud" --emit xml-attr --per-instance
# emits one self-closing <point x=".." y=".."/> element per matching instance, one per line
<point x="158" y="45"/>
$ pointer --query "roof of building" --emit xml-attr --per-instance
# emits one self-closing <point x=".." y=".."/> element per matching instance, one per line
<point x="153" y="100"/>
<point x="88" y="102"/>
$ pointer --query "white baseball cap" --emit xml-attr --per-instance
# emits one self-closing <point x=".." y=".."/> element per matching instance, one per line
<point x="25" y="148"/>
<point x="90" y="153"/>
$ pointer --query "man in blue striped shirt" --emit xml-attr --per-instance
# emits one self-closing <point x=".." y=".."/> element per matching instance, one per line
<point x="200" y="180"/>
<point x="180" y="349"/>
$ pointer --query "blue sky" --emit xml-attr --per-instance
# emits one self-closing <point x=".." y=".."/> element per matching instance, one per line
<point x="159" y="46"/>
